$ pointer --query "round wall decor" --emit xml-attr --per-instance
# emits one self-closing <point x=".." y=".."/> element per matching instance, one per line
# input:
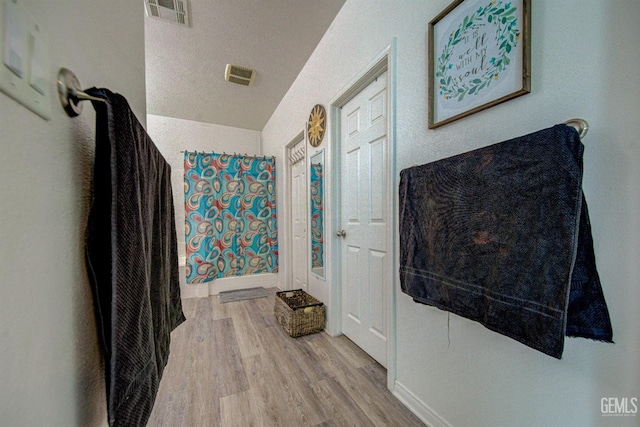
<point x="316" y="125"/>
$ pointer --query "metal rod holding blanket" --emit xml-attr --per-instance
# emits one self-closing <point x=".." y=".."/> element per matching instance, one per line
<point x="70" y="93"/>
<point x="580" y="125"/>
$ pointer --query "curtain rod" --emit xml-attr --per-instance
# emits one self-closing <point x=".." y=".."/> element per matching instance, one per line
<point x="580" y="125"/>
<point x="70" y="93"/>
<point x="230" y="154"/>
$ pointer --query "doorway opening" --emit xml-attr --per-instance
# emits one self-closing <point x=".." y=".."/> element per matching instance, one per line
<point x="297" y="210"/>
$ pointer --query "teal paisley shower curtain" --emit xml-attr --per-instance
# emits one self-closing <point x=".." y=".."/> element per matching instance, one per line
<point x="317" y="214"/>
<point x="230" y="216"/>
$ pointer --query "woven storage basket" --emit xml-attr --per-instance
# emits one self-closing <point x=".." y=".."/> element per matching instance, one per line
<point x="299" y="313"/>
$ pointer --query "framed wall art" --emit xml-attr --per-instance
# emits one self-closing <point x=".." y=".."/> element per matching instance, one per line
<point x="479" y="56"/>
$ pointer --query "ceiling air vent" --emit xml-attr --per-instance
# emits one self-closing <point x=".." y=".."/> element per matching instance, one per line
<point x="240" y="75"/>
<point x="168" y="10"/>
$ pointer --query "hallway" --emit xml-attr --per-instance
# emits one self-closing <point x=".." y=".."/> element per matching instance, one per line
<point x="233" y="365"/>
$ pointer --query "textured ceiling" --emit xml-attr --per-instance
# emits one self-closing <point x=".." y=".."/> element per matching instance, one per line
<point x="185" y="65"/>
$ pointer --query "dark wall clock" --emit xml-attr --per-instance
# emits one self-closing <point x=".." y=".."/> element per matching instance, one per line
<point x="316" y="125"/>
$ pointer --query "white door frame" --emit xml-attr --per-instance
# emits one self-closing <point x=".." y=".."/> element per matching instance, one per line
<point x="384" y="62"/>
<point x="288" y="223"/>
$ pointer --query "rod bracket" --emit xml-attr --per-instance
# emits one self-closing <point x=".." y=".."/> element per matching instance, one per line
<point x="70" y="93"/>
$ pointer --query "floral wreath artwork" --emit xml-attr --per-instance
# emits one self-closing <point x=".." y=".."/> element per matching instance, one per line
<point x="479" y="57"/>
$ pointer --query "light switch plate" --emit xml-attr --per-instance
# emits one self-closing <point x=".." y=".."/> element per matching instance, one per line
<point x="25" y="68"/>
<point x="14" y="47"/>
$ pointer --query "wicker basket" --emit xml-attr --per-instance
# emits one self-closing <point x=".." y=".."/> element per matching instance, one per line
<point x="299" y="313"/>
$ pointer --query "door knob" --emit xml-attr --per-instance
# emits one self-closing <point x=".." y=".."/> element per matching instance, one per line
<point x="341" y="233"/>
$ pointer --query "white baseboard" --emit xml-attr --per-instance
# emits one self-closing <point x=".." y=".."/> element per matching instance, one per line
<point x="267" y="280"/>
<point x="202" y="290"/>
<point x="418" y="407"/>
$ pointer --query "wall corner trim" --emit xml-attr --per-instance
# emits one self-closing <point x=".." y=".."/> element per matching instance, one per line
<point x="418" y="407"/>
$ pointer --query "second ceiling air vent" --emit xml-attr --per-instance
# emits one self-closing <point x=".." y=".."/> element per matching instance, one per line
<point x="240" y="75"/>
<point x="168" y="10"/>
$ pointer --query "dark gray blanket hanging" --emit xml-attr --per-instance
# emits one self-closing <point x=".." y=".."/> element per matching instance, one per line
<point x="501" y="235"/>
<point x="132" y="260"/>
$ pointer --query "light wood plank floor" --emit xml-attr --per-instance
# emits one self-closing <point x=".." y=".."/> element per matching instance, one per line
<point x="233" y="365"/>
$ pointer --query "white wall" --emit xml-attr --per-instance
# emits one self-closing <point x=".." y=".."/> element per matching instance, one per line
<point x="585" y="62"/>
<point x="173" y="135"/>
<point x="50" y="367"/>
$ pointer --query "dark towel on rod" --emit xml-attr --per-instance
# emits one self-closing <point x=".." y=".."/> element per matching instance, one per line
<point x="501" y="235"/>
<point x="132" y="259"/>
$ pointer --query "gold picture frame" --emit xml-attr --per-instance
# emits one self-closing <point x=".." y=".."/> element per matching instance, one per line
<point x="479" y="56"/>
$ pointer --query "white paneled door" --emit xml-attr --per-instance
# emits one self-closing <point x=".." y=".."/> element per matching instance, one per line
<point x="299" y="219"/>
<point x="365" y="219"/>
